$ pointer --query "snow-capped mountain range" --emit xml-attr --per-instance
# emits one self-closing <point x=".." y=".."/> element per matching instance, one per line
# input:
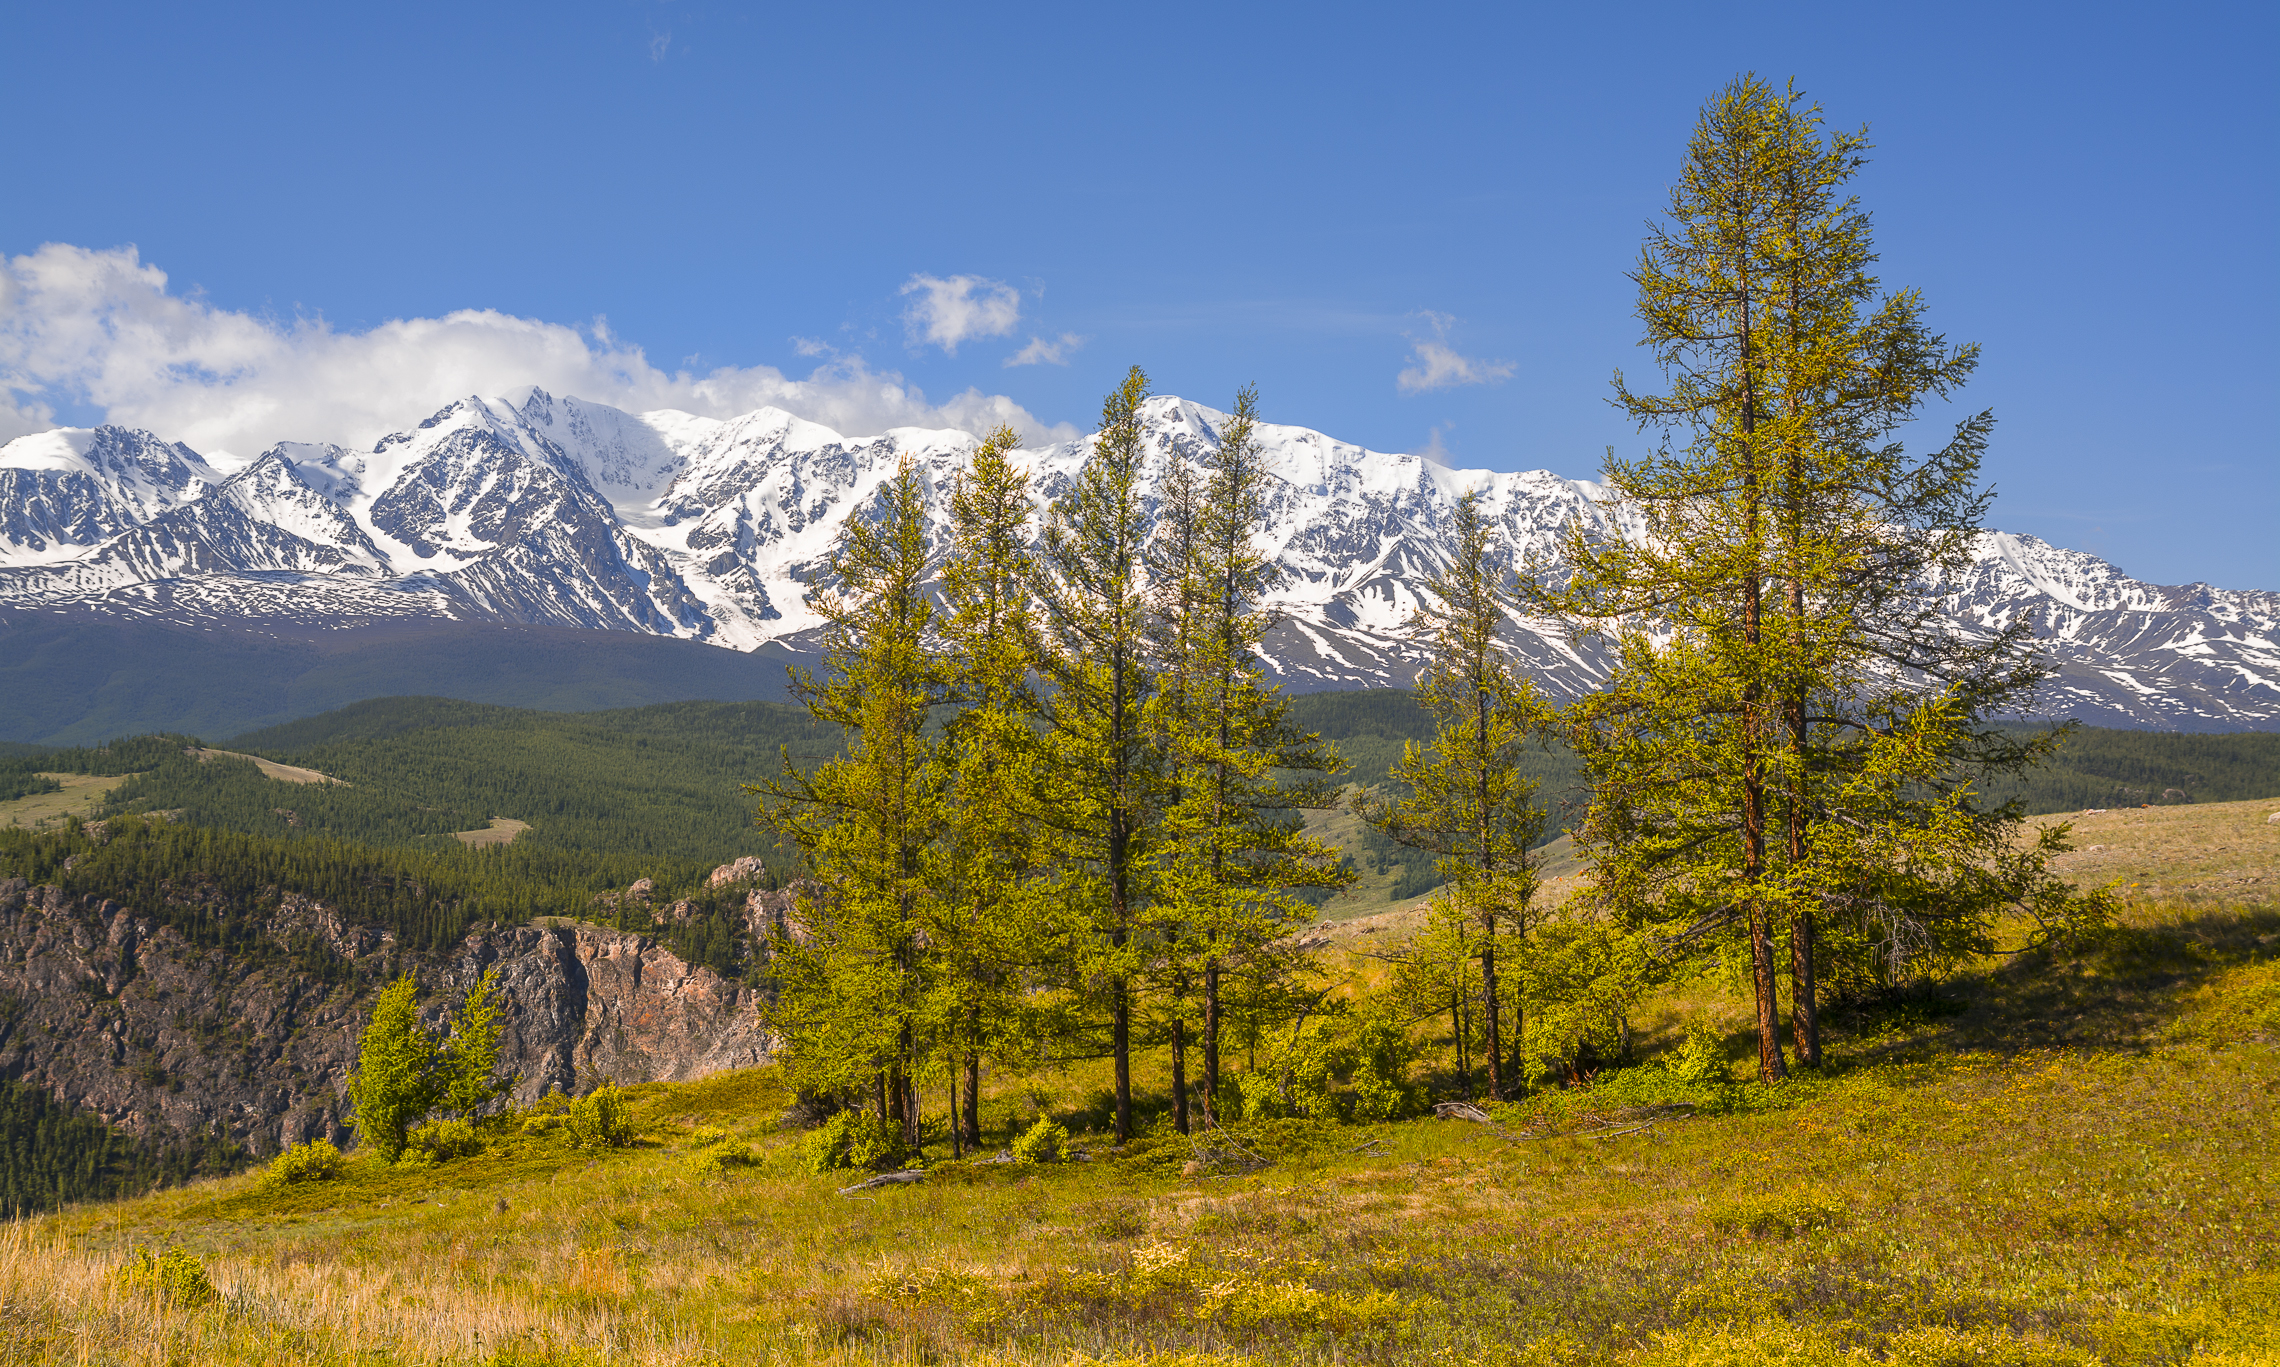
<point x="555" y="511"/>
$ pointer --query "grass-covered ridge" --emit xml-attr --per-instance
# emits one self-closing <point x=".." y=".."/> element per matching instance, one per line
<point x="2059" y="1158"/>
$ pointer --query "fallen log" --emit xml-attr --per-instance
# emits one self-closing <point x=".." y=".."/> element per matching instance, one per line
<point x="1463" y="1110"/>
<point x="886" y="1179"/>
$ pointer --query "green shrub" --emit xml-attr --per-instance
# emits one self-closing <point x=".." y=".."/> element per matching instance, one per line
<point x="1701" y="1060"/>
<point x="599" y="1120"/>
<point x="1043" y="1142"/>
<point x="853" y="1139"/>
<point x="440" y="1141"/>
<point x="1783" y="1213"/>
<point x="173" y="1275"/>
<point x="711" y="1164"/>
<point x="709" y="1137"/>
<point x="315" y="1161"/>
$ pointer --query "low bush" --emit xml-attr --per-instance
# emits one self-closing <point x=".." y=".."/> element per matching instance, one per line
<point x="315" y="1161"/>
<point x="1784" y="1213"/>
<point x="173" y="1275"/>
<point x="599" y="1120"/>
<point x="440" y="1141"/>
<point x="853" y="1139"/>
<point x="1043" y="1142"/>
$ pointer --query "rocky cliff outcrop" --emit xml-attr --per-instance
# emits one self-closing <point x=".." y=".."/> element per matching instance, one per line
<point x="131" y="1020"/>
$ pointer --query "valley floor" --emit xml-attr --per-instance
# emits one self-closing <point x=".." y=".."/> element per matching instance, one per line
<point x="2058" y="1160"/>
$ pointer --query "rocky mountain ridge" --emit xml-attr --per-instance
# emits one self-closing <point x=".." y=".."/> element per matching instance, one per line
<point x="552" y="511"/>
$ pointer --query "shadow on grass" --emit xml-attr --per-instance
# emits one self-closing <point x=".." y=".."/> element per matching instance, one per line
<point x="2118" y="989"/>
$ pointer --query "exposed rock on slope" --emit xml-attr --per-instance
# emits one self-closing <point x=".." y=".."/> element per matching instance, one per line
<point x="129" y="1020"/>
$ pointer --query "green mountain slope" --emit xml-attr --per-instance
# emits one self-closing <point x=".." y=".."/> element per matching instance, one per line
<point x="70" y="680"/>
<point x="662" y="783"/>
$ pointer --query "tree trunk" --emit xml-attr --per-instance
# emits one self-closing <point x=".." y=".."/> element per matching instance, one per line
<point x="1179" y="1075"/>
<point x="1771" y="1067"/>
<point x="1211" y="1042"/>
<point x="1120" y="1009"/>
<point x="1491" y="1044"/>
<point x="1516" y="1067"/>
<point x="957" y="1131"/>
<point x="1457" y="1023"/>
<point x="1804" y="1009"/>
<point x="974" y="1101"/>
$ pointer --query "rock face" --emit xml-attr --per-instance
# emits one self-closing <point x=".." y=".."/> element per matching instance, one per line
<point x="128" y="1019"/>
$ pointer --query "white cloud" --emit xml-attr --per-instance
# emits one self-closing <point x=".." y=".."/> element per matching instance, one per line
<point x="1041" y="352"/>
<point x="950" y="311"/>
<point x="98" y="328"/>
<point x="1436" y="365"/>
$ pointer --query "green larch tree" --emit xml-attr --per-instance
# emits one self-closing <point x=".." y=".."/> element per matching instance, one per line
<point x="856" y="983"/>
<point x="1792" y="729"/>
<point x="1462" y="798"/>
<point x="1240" y="774"/>
<point x="1096" y="659"/>
<point x="998" y="929"/>
<point x="405" y="1071"/>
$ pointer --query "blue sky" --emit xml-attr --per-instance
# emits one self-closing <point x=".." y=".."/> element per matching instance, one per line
<point x="1309" y="198"/>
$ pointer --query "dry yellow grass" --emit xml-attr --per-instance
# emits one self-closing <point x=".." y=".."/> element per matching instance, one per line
<point x="2205" y="852"/>
<point x="82" y="794"/>
<point x="284" y="773"/>
<point x="501" y="831"/>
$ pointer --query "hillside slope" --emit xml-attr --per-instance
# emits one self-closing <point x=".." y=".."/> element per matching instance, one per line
<point x="2055" y="1162"/>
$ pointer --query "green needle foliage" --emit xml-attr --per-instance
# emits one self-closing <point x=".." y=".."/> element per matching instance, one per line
<point x="1468" y="802"/>
<point x="1792" y="739"/>
<point x="1096" y="658"/>
<point x="404" y="1070"/>
<point x="855" y="981"/>
<point x="1235" y="770"/>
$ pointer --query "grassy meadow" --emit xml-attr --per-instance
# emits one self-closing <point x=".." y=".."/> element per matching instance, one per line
<point x="2053" y="1159"/>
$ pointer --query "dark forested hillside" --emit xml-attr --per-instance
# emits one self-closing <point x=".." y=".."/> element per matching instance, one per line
<point x="657" y="791"/>
<point x="51" y="1155"/>
<point x="21" y="767"/>
<point x="2098" y="767"/>
<point x="2094" y="767"/>
<point x="1370" y="728"/>
<point x="74" y="678"/>
<point x="661" y="784"/>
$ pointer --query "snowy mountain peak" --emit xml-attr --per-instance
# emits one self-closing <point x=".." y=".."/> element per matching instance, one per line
<point x="546" y="509"/>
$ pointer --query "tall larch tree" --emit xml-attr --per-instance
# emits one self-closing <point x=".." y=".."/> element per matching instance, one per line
<point x="1463" y="798"/>
<point x="1234" y="853"/>
<point x="856" y="992"/>
<point x="1092" y="589"/>
<point x="1001" y="932"/>
<point x="1792" y="731"/>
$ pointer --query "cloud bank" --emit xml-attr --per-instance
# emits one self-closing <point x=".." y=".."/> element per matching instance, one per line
<point x="1436" y="365"/>
<point x="100" y="329"/>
